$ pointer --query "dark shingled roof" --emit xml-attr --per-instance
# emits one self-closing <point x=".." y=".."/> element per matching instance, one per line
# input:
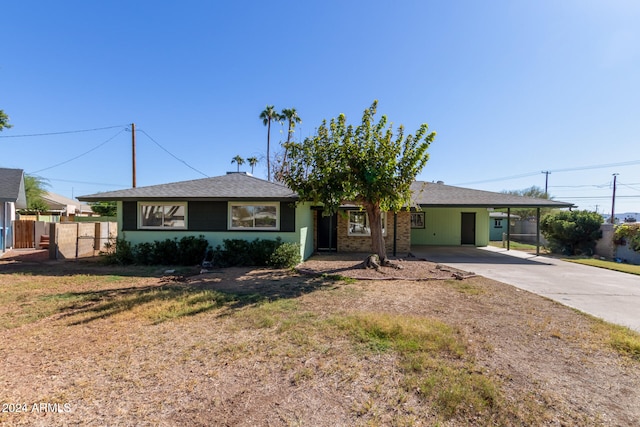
<point x="237" y="186"/>
<point x="429" y="194"/>
<point x="240" y="186"/>
<point x="12" y="187"/>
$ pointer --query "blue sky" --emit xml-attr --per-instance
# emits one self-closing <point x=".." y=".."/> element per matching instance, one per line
<point x="512" y="88"/>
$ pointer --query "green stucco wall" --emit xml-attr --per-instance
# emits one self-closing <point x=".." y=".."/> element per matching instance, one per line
<point x="443" y="227"/>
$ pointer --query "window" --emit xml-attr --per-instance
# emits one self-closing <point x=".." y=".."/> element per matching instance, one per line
<point x="497" y="223"/>
<point x="417" y="219"/>
<point x="263" y="216"/>
<point x="163" y="216"/>
<point x="359" y="223"/>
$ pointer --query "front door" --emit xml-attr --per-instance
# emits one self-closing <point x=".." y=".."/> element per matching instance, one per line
<point x="327" y="232"/>
<point x="468" y="228"/>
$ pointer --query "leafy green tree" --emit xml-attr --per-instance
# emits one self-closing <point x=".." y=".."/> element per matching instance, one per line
<point x="534" y="192"/>
<point x="34" y="188"/>
<point x="366" y="165"/>
<point x="238" y="160"/>
<point x="268" y="115"/>
<point x="253" y="161"/>
<point x="572" y="232"/>
<point x="4" y="120"/>
<point x="104" y="208"/>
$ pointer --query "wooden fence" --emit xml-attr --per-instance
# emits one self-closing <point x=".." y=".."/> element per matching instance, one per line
<point x="24" y="232"/>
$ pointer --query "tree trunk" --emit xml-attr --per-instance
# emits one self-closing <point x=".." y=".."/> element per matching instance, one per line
<point x="377" y="238"/>
<point x="268" y="151"/>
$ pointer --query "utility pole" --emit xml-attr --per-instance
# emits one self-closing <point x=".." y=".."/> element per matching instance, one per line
<point x="613" y="200"/>
<point x="133" y="152"/>
<point x="546" y="182"/>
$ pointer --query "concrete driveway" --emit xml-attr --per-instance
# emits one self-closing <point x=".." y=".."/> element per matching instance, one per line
<point x="609" y="295"/>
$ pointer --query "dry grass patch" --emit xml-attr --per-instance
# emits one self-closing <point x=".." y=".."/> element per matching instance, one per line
<point x="270" y="347"/>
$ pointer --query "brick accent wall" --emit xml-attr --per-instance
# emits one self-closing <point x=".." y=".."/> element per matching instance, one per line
<point x="348" y="243"/>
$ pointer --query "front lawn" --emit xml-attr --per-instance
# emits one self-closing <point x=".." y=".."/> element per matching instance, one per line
<point x="610" y="265"/>
<point x="106" y="346"/>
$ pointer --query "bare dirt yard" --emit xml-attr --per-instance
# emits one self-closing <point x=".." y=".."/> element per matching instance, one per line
<point x="84" y="343"/>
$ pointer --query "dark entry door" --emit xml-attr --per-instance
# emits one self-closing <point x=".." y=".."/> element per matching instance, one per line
<point x="327" y="232"/>
<point x="468" y="228"/>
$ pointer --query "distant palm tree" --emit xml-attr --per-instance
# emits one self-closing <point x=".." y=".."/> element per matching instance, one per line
<point x="268" y="115"/>
<point x="252" y="162"/>
<point x="238" y="160"/>
<point x="292" y="117"/>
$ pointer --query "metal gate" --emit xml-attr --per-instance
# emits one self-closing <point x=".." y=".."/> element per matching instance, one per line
<point x="24" y="234"/>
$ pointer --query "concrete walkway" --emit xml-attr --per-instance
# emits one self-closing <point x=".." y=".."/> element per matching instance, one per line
<point x="609" y="295"/>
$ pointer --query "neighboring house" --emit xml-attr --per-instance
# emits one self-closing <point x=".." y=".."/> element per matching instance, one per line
<point x="12" y="197"/>
<point x="63" y="207"/>
<point x="241" y="206"/>
<point x="499" y="223"/>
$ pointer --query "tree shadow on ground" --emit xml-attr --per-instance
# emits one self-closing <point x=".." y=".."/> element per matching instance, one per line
<point x="175" y="297"/>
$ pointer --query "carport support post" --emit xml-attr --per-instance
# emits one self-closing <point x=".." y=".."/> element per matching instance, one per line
<point x="537" y="231"/>
<point x="508" y="228"/>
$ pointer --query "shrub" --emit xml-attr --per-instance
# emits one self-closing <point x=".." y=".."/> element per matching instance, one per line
<point x="123" y="254"/>
<point x="572" y="232"/>
<point x="192" y="250"/>
<point x="188" y="251"/>
<point x="234" y="252"/>
<point x="144" y="254"/>
<point x="287" y="255"/>
<point x="165" y="252"/>
<point x="238" y="252"/>
<point x="261" y="250"/>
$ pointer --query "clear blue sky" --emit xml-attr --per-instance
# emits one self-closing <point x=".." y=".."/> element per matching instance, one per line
<point x="511" y="87"/>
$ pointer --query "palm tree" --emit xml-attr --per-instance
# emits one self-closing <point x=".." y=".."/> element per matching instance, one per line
<point x="239" y="160"/>
<point x="292" y="117"/>
<point x="252" y="162"/>
<point x="35" y="189"/>
<point x="269" y="114"/>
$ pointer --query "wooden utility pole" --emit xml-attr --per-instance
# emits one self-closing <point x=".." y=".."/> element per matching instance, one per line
<point x="613" y="200"/>
<point x="133" y="152"/>
<point x="546" y="182"/>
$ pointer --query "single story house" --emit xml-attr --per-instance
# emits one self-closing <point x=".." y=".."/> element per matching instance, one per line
<point x="12" y="197"/>
<point x="61" y="206"/>
<point x="240" y="206"/>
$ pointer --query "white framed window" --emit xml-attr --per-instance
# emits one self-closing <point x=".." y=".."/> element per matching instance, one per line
<point x="359" y="223"/>
<point x="254" y="216"/>
<point x="160" y="215"/>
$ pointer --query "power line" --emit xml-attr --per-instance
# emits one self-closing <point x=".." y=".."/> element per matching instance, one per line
<point x="60" y="133"/>
<point x="77" y="157"/>
<point x="600" y="197"/>
<point x="171" y="154"/>
<point x="579" y="168"/>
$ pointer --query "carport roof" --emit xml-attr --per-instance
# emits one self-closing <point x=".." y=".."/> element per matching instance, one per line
<point x="429" y="194"/>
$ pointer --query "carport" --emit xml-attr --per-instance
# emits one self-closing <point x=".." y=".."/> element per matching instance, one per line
<point x="450" y="210"/>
